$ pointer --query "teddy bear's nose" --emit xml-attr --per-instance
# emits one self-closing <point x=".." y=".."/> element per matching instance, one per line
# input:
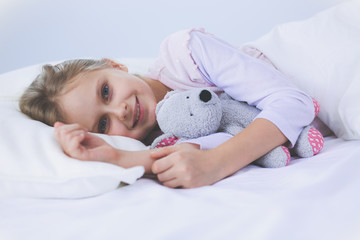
<point x="205" y="96"/>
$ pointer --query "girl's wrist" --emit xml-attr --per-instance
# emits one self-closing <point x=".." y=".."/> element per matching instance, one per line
<point x="128" y="159"/>
<point x="223" y="164"/>
<point x="215" y="164"/>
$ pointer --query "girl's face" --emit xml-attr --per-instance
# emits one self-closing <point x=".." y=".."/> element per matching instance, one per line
<point x="111" y="101"/>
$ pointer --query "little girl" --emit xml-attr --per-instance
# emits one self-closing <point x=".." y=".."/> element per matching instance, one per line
<point x="101" y="96"/>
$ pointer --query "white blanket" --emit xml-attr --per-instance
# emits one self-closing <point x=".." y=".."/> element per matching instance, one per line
<point x="322" y="54"/>
<point x="313" y="198"/>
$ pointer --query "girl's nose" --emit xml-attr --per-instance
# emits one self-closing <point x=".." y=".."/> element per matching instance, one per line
<point x="122" y="111"/>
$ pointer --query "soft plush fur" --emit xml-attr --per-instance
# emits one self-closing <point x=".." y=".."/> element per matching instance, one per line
<point x="200" y="112"/>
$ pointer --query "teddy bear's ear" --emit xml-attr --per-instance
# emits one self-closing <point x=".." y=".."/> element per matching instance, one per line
<point x="168" y="94"/>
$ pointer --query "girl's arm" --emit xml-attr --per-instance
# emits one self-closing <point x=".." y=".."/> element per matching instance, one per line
<point x="78" y="143"/>
<point x="285" y="110"/>
<point x="249" y="79"/>
<point x="185" y="166"/>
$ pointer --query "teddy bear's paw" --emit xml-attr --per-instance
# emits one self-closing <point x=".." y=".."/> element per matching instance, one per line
<point x="278" y="157"/>
<point x="309" y="143"/>
<point x="167" y="142"/>
<point x="164" y="141"/>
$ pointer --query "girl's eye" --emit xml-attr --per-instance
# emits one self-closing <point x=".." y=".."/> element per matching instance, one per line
<point x="105" y="91"/>
<point x="103" y="123"/>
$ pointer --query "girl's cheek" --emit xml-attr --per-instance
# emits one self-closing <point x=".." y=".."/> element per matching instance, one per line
<point x="118" y="130"/>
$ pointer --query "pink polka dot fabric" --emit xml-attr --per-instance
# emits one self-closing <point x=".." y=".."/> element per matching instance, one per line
<point x="287" y="152"/>
<point x="316" y="140"/>
<point x="316" y="106"/>
<point x="167" y="142"/>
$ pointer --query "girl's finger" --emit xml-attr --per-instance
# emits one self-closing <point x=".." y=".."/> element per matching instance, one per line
<point x="162" y="152"/>
<point x="66" y="129"/>
<point x="77" y="137"/>
<point x="58" y="124"/>
<point x="66" y="136"/>
<point x="166" y="175"/>
<point x="174" y="183"/>
<point x="74" y="148"/>
<point x="161" y="165"/>
<point x="76" y="133"/>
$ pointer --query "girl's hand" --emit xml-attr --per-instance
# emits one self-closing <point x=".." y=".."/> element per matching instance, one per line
<point x="78" y="143"/>
<point x="184" y="165"/>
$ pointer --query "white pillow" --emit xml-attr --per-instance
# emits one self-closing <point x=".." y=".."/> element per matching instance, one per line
<point x="322" y="54"/>
<point x="32" y="161"/>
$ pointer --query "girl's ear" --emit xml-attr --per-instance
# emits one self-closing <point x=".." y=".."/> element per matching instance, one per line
<point x="116" y="64"/>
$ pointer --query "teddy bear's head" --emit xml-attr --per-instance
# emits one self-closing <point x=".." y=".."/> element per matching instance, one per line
<point x="189" y="114"/>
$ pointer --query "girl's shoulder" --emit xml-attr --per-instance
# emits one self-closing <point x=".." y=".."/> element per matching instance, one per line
<point x="181" y="37"/>
<point x="175" y="66"/>
<point x="176" y="45"/>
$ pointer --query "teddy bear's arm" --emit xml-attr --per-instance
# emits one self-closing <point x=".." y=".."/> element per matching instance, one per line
<point x="167" y="139"/>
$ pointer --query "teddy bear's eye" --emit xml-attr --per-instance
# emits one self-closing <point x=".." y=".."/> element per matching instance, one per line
<point x="191" y="114"/>
<point x="187" y="97"/>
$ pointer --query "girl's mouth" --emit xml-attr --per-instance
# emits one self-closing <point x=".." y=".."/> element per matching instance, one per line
<point x="138" y="112"/>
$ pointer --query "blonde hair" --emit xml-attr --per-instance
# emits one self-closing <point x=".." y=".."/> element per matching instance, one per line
<point x="39" y="101"/>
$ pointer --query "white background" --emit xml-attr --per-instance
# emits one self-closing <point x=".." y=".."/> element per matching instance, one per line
<point x="39" y="31"/>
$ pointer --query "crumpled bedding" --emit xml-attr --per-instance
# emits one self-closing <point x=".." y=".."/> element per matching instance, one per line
<point x="312" y="198"/>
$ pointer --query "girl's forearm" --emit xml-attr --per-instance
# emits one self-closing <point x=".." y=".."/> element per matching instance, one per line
<point x="257" y="139"/>
<point x="254" y="141"/>
<point x="128" y="159"/>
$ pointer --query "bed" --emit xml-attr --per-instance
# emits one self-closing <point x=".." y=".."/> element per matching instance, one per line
<point x="46" y="195"/>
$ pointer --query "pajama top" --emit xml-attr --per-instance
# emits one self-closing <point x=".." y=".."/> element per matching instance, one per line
<point x="194" y="58"/>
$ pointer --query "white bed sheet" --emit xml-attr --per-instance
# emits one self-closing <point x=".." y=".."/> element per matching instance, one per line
<point x="312" y="198"/>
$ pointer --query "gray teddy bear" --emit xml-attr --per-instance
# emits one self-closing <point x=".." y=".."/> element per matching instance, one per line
<point x="199" y="112"/>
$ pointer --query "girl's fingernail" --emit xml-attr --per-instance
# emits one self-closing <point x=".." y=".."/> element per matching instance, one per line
<point x="58" y="124"/>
